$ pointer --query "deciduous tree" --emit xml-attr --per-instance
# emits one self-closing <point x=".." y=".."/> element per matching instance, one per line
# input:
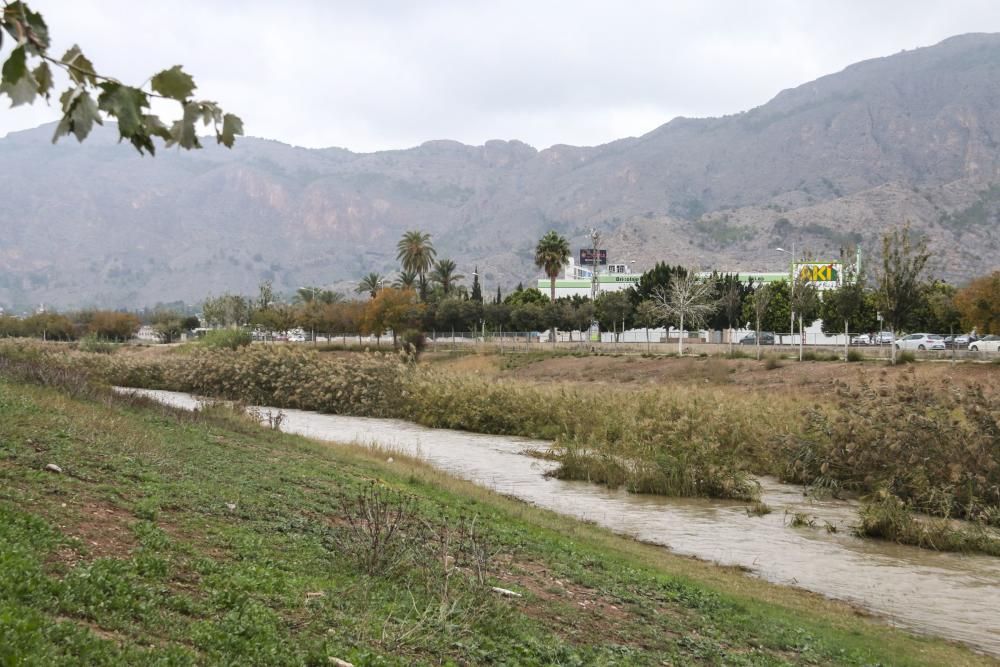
<point x="901" y="280"/>
<point x="689" y="298"/>
<point x="979" y="304"/>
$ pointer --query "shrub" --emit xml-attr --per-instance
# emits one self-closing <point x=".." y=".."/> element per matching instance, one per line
<point x="933" y="447"/>
<point x="772" y="362"/>
<point x="906" y="357"/>
<point x="231" y="339"/>
<point x="855" y="355"/>
<point x="414" y="340"/>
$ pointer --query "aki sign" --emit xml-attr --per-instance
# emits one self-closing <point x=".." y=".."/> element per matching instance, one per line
<point x="822" y="276"/>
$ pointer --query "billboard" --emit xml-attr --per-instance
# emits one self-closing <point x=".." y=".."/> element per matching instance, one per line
<point x="587" y="256"/>
<point x="821" y="275"/>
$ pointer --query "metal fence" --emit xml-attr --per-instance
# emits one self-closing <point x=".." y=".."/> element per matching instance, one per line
<point x="634" y="342"/>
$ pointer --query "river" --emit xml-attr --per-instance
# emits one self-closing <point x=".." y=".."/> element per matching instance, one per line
<point x="956" y="596"/>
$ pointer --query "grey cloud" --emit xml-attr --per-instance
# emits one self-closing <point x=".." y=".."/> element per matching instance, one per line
<point x="381" y="75"/>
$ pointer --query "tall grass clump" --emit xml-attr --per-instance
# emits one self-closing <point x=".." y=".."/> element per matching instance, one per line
<point x="887" y="517"/>
<point x="855" y="355"/>
<point x="936" y="448"/>
<point x="96" y="345"/>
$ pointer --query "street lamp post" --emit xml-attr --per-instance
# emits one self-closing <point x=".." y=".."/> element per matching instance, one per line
<point x="791" y="293"/>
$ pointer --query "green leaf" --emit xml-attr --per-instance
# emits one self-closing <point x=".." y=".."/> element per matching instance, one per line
<point x="155" y="127"/>
<point x="15" y="67"/>
<point x="80" y="69"/>
<point x="125" y="103"/>
<point x="22" y="92"/>
<point x="231" y="126"/>
<point x="17" y="82"/>
<point x="182" y="132"/>
<point x="83" y="116"/>
<point x="173" y="83"/>
<point x="38" y="40"/>
<point x="79" y="114"/>
<point x="43" y="77"/>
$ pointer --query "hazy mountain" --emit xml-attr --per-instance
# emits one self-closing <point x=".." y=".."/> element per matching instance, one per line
<point x="912" y="136"/>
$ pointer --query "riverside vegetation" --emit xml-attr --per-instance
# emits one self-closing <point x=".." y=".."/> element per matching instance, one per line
<point x="169" y="537"/>
<point x="935" y="451"/>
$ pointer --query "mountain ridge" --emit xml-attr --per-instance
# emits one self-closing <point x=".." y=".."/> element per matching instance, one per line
<point x="832" y="161"/>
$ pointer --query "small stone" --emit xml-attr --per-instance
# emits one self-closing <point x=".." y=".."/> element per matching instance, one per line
<point x="389" y="460"/>
<point x="339" y="663"/>
<point x="231" y="507"/>
<point x="504" y="591"/>
<point x="52" y="467"/>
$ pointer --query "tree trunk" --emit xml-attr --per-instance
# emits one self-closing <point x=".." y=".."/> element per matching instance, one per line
<point x="757" y="339"/>
<point x="552" y="286"/>
<point x="680" y="338"/>
<point x="800" y="337"/>
<point x="847" y="339"/>
<point x="647" y="340"/>
<point x="892" y="345"/>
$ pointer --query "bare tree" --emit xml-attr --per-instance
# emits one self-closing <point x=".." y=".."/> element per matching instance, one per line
<point x="761" y="301"/>
<point x="731" y="302"/>
<point x="805" y="304"/>
<point x="901" y="281"/>
<point x="690" y="297"/>
<point x="647" y="315"/>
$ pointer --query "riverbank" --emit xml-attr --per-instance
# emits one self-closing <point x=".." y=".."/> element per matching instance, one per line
<point x="201" y="538"/>
<point x="891" y="434"/>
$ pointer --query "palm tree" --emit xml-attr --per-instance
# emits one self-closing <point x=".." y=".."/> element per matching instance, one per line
<point x="551" y="254"/>
<point x="416" y="253"/>
<point x="406" y="280"/>
<point x="371" y="284"/>
<point x="318" y="294"/>
<point x="445" y="276"/>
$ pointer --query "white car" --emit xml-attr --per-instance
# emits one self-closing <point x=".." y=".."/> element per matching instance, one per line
<point x="882" y="338"/>
<point x="986" y="344"/>
<point x="921" y="341"/>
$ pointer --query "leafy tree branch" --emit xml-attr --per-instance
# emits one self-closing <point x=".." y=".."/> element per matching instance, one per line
<point x="27" y="74"/>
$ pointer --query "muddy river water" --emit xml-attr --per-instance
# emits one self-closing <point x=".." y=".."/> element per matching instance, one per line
<point x="951" y="595"/>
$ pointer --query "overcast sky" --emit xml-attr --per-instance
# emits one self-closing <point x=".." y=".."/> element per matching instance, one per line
<point x="370" y="75"/>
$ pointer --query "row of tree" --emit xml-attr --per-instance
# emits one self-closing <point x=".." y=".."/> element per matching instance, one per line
<point x="104" y="324"/>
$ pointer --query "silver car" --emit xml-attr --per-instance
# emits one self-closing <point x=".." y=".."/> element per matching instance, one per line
<point x="921" y="341"/>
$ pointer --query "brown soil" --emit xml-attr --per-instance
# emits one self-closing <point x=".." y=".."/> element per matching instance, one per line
<point x="581" y="614"/>
<point x="103" y="530"/>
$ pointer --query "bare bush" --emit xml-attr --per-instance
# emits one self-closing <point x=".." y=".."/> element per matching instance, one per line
<point x="377" y="522"/>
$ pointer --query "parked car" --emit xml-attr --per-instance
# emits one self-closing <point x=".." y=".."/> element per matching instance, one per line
<point x="883" y="338"/>
<point x="862" y="339"/>
<point x="921" y="341"/>
<point x="959" y="342"/>
<point x="766" y="338"/>
<point x="989" y="343"/>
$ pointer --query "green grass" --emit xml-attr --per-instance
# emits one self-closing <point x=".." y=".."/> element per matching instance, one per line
<point x="175" y="538"/>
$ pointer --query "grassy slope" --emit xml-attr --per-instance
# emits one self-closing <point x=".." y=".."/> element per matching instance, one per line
<point x="132" y="556"/>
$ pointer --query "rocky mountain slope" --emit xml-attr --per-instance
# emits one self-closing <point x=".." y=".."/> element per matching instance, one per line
<point x="912" y="136"/>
